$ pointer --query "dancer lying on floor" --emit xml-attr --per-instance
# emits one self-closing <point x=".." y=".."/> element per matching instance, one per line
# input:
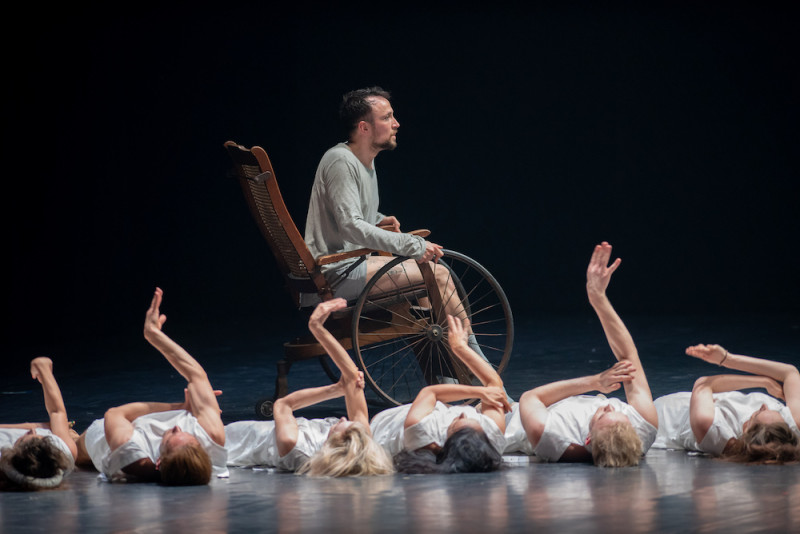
<point x="718" y="419"/>
<point x="317" y="447"/>
<point x="430" y="436"/>
<point x="174" y="443"/>
<point x="38" y="455"/>
<point x="557" y="422"/>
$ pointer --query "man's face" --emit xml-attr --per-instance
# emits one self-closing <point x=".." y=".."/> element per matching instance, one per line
<point x="383" y="124"/>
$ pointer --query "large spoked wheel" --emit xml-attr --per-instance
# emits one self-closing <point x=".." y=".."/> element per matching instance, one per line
<point x="400" y="325"/>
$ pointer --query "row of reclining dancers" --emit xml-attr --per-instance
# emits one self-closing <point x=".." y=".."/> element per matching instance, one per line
<point x="186" y="442"/>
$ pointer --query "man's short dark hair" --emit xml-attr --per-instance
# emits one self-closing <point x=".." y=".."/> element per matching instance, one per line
<point x="355" y="107"/>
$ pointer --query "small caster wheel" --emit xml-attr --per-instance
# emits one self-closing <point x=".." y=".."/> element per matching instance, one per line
<point x="264" y="409"/>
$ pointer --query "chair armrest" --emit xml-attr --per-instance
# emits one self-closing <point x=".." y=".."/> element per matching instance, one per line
<point x="333" y="258"/>
<point x="422" y="232"/>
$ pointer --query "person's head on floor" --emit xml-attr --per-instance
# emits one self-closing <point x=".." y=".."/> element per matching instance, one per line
<point x="349" y="451"/>
<point x="765" y="443"/>
<point x="34" y="462"/>
<point x="612" y="439"/>
<point x="467" y="450"/>
<point x="183" y="461"/>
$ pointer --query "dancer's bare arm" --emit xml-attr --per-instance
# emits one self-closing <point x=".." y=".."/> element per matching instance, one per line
<point x="457" y="336"/>
<point x="205" y="406"/>
<point x="784" y="373"/>
<point x="493" y="399"/>
<point x="352" y="379"/>
<point x="42" y="370"/>
<point x="286" y="431"/>
<point x="701" y="406"/>
<point x="533" y="403"/>
<point x="598" y="276"/>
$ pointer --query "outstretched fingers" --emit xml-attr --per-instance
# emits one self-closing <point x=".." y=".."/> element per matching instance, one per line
<point x="458" y="332"/>
<point x="613" y="377"/>
<point x="599" y="272"/>
<point x="154" y="318"/>
<point x="708" y="353"/>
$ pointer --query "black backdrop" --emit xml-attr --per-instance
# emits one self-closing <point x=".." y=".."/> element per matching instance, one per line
<point x="526" y="137"/>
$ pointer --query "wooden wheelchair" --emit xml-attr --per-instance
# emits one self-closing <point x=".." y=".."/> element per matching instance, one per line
<point x="396" y="332"/>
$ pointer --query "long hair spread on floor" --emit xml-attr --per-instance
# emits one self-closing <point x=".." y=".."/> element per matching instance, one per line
<point x="465" y="451"/>
<point x="765" y="443"/>
<point x="349" y="453"/>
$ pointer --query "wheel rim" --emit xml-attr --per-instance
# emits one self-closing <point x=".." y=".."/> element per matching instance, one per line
<point x="401" y="344"/>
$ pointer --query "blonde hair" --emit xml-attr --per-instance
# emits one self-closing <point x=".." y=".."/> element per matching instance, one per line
<point x="187" y="465"/>
<point x="616" y="445"/>
<point x="349" y="453"/>
<point x="765" y="443"/>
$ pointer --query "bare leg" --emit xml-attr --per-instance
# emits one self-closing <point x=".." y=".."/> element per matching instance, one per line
<point x="407" y="274"/>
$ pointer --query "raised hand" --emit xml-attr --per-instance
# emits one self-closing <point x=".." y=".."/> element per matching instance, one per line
<point x="458" y="333"/>
<point x="154" y="320"/>
<point x="611" y="379"/>
<point x="40" y="366"/>
<point x="708" y="353"/>
<point x="599" y="272"/>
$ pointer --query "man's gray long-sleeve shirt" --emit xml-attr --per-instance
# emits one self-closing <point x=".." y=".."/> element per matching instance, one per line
<point x="343" y="211"/>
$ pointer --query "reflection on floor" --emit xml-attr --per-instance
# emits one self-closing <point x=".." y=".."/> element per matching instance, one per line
<point x="670" y="492"/>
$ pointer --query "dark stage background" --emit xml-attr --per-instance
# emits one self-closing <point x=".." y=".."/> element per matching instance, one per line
<point x="527" y="136"/>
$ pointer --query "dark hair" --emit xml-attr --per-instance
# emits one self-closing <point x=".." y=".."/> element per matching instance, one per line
<point x="466" y="451"/>
<point x="765" y="443"/>
<point x="355" y="107"/>
<point x="34" y="464"/>
<point x="39" y="458"/>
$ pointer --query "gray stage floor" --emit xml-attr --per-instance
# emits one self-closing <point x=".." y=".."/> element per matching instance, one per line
<point x="670" y="492"/>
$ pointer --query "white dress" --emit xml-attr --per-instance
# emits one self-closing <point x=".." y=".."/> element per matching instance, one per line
<point x="251" y="443"/>
<point x="146" y="442"/>
<point x="731" y="410"/>
<point x="387" y="428"/>
<point x="568" y="423"/>
<point x="9" y="436"/>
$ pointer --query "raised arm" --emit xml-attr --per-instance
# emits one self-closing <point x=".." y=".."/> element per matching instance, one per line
<point x="533" y="403"/>
<point x="701" y="406"/>
<point x="204" y="401"/>
<point x="352" y="380"/>
<point x="493" y="399"/>
<point x="118" y="421"/>
<point x="598" y="276"/>
<point x="784" y="373"/>
<point x="457" y="335"/>
<point x="286" y="431"/>
<point x="42" y="370"/>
